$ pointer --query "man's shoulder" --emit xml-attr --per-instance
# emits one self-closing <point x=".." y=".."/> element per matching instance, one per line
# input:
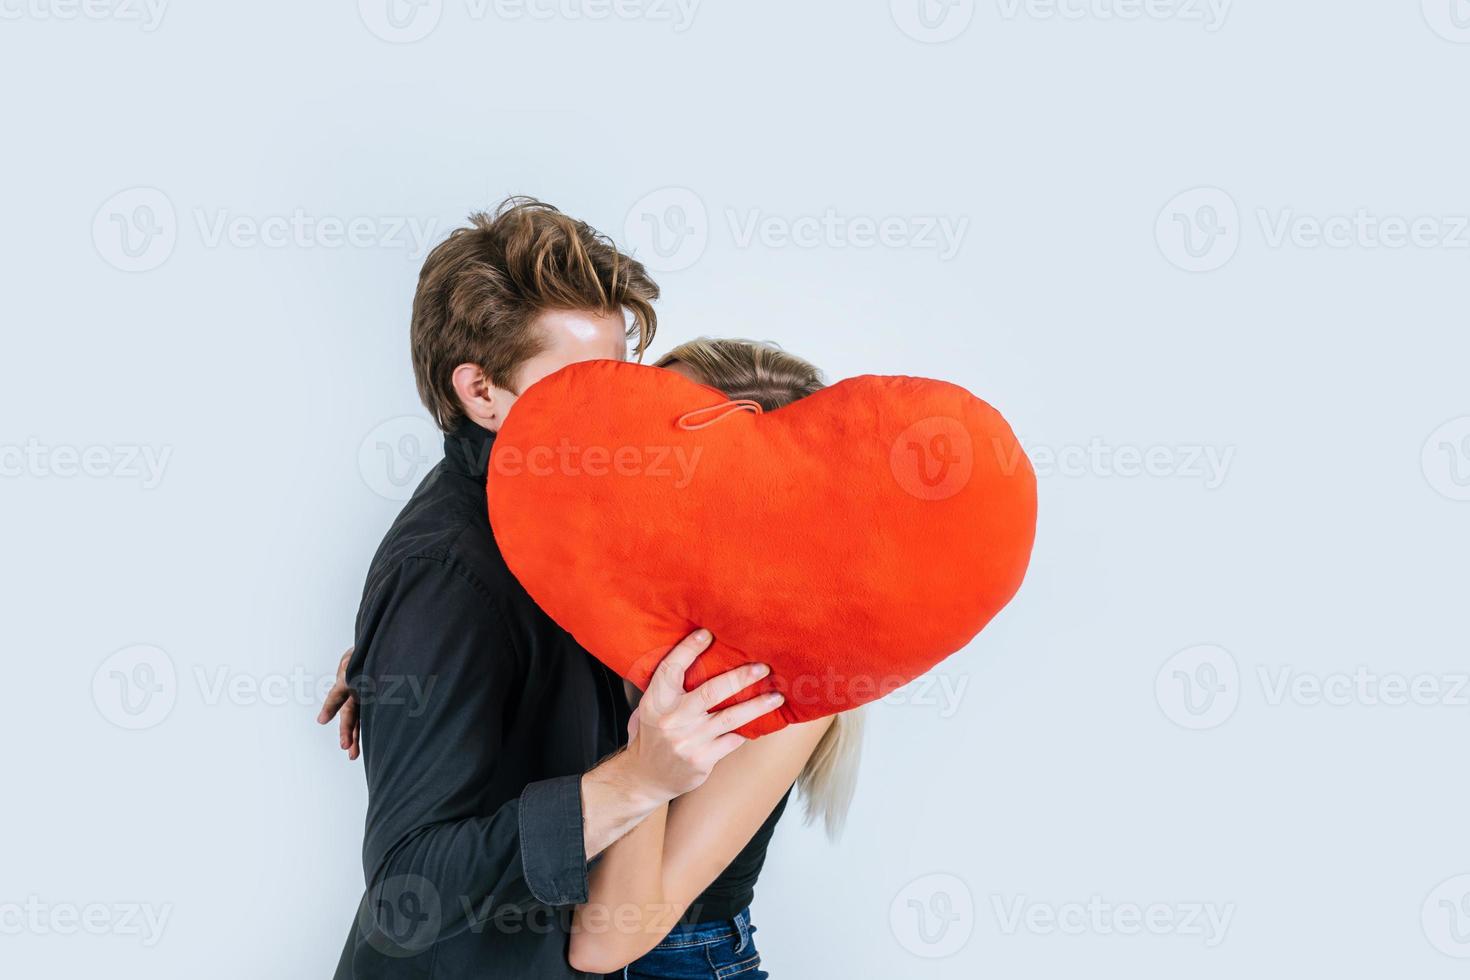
<point x="444" y="527"/>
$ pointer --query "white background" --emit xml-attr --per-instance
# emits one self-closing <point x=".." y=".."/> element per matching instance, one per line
<point x="1083" y="761"/>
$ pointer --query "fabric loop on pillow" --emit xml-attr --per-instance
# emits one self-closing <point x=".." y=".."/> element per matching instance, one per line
<point x="730" y="408"/>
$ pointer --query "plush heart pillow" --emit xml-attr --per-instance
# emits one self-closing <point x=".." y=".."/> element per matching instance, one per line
<point x="851" y="539"/>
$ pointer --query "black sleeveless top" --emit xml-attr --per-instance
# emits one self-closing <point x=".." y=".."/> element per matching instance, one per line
<point x="735" y="887"/>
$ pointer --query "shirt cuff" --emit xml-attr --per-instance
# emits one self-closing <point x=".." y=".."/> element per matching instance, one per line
<point x="553" y="850"/>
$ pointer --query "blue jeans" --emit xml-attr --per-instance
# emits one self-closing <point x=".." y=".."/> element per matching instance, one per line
<point x="707" y="951"/>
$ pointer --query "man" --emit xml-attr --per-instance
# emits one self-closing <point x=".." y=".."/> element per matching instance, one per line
<point x="486" y="797"/>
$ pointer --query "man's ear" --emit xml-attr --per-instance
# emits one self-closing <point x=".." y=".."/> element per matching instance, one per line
<point x="484" y="403"/>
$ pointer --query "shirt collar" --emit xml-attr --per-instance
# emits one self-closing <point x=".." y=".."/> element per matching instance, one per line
<point x="467" y="448"/>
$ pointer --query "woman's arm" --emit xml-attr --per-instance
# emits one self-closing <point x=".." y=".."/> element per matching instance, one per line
<point x="643" y="883"/>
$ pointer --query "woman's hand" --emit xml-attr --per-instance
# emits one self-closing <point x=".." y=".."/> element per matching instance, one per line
<point x="342" y="699"/>
<point x="675" y="738"/>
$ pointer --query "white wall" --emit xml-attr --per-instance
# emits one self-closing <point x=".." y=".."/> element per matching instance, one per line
<point x="1331" y="536"/>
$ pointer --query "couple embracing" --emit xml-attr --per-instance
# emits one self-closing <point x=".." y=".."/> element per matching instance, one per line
<point x="533" y="815"/>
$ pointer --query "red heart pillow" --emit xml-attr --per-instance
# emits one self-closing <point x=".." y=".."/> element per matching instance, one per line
<point x="851" y="539"/>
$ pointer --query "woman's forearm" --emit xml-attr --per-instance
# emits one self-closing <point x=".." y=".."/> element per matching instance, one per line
<point x="643" y="884"/>
<point x="626" y="913"/>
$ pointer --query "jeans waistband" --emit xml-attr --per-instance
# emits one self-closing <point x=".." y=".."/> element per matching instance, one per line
<point x="704" y="933"/>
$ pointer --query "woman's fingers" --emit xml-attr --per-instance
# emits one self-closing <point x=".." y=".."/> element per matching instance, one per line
<point x="349" y="728"/>
<point x="719" y="689"/>
<point x="336" y="697"/>
<point x="340" y="692"/>
<point x="666" y="689"/>
<point x="745" y="712"/>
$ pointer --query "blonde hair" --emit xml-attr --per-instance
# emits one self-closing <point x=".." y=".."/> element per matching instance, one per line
<point x="772" y="377"/>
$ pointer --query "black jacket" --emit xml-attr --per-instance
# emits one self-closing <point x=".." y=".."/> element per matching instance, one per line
<point x="478" y="716"/>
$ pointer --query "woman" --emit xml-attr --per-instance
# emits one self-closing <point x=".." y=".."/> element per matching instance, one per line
<point x="671" y="899"/>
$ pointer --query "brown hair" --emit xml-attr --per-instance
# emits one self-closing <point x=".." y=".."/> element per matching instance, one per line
<point x="768" y="375"/>
<point x="482" y="288"/>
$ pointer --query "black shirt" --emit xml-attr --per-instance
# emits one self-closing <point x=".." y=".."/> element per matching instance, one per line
<point x="478" y="716"/>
